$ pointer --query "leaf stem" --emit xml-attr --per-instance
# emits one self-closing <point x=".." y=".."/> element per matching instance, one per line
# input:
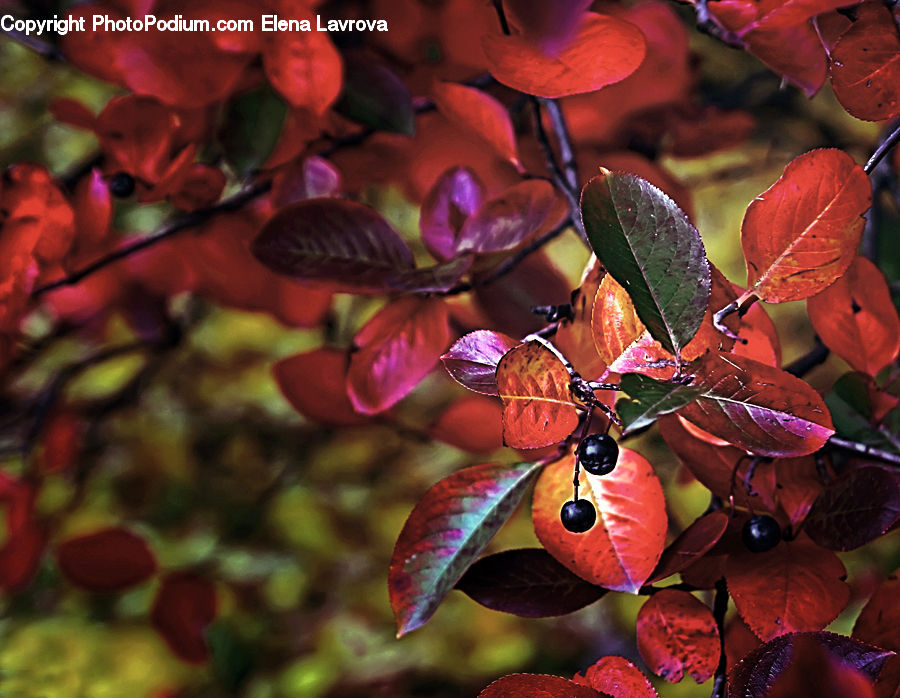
<point x="720" y="607"/>
<point x="803" y="365"/>
<point x="883" y="148"/>
<point x="47" y="50"/>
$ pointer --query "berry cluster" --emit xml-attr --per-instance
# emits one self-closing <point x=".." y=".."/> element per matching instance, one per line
<point x="597" y="454"/>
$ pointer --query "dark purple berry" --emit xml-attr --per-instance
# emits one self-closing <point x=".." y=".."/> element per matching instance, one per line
<point x="578" y="516"/>
<point x="598" y="453"/>
<point x="121" y="185"/>
<point x="761" y="533"/>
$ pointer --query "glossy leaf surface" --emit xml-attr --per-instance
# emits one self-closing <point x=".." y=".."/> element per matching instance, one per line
<point x="761" y="409"/>
<point x="455" y="196"/>
<point x="676" y="633"/>
<point x="445" y="533"/>
<point x="650" y="247"/>
<point x="472" y="360"/>
<point x="620" y="551"/>
<point x="538" y="407"/>
<point x="509" y="219"/>
<point x="397" y="349"/>
<point x="527" y="582"/>
<point x="795" y="586"/>
<point x="603" y="51"/>
<point x="651" y="399"/>
<point x="801" y="233"/>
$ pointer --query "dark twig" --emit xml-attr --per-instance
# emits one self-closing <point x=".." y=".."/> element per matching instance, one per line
<point x="47" y="50"/>
<point x="865" y="450"/>
<point x="190" y="220"/>
<point x="709" y="25"/>
<point x="720" y="607"/>
<point x="803" y="365"/>
<point x="882" y="150"/>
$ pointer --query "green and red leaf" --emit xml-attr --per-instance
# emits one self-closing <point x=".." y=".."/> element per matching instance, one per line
<point x="445" y="533"/>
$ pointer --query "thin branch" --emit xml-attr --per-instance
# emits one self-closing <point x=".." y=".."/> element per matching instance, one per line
<point x="47" y="50"/>
<point x="561" y="130"/>
<point x="865" y="450"/>
<point x="803" y="365"/>
<point x="720" y="608"/>
<point x="190" y="220"/>
<point x="708" y="24"/>
<point x="509" y="263"/>
<point x="882" y="150"/>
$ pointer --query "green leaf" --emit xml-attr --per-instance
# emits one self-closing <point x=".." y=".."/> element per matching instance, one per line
<point x="650" y="247"/>
<point x="373" y="96"/>
<point x="447" y="531"/>
<point x="651" y="399"/>
<point x="851" y="411"/>
<point x="251" y="127"/>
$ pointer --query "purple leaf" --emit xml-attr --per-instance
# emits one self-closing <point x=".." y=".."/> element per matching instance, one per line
<point x="436" y="279"/>
<point x="509" y="219"/>
<point x="756" y="674"/>
<point x="446" y="531"/>
<point x="334" y="240"/>
<point x="855" y="509"/>
<point x="473" y="358"/>
<point x="528" y="582"/>
<point x="315" y="178"/>
<point x="455" y="196"/>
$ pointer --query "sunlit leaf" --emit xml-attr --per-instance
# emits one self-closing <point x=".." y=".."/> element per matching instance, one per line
<point x="603" y="51"/>
<point x="538" y="407"/>
<point x="801" y="233"/>
<point x="650" y="247"/>
<point x="620" y="551"/>
<point x="445" y="533"/>
<point x="472" y="360"/>
<point x="618" y="677"/>
<point x="455" y="196"/>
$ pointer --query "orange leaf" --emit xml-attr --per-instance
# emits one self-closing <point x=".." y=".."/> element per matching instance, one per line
<point x="856" y="318"/>
<point x="477" y="111"/>
<point x="801" y="233"/>
<point x="604" y="50"/>
<point x="538" y="408"/>
<point x="621" y="550"/>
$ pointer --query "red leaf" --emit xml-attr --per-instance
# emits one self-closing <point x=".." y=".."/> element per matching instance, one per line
<point x="472" y="109"/>
<point x="112" y="559"/>
<point x="801" y="234"/>
<point x="537" y="686"/>
<point x="304" y="67"/>
<point x="549" y="26"/>
<point x="620" y="551"/>
<point x="757" y="673"/>
<point x="798" y="486"/>
<point x="334" y="240"/>
<point x="676" y="633"/>
<point x="446" y="531"/>
<point x="455" y="196"/>
<point x="183" y="608"/>
<point x="617" y="677"/>
<point x="795" y="586"/>
<point x="315" y="384"/>
<point x="761" y="338"/>
<point x="472" y="423"/>
<point x="574" y="338"/>
<point x="865" y="65"/>
<point x="604" y="50"/>
<point x="693" y="543"/>
<point x="856" y="318"/>
<point x="816" y="672"/>
<point x="761" y="409"/>
<point x="200" y="187"/>
<point x="93" y="210"/>
<point x="502" y="223"/>
<point x="879" y="621"/>
<point x="855" y="509"/>
<point x="397" y="349"/>
<point x="472" y="360"/>
<point x="538" y="407"/>
<point x="528" y="582"/>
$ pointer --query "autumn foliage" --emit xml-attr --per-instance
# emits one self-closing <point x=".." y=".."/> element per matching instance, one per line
<point x="284" y="174"/>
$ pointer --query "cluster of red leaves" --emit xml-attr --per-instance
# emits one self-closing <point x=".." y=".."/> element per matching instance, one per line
<point x="743" y="426"/>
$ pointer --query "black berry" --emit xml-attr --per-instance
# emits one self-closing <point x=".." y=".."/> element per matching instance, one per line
<point x="121" y="185"/>
<point x="598" y="453"/>
<point x="761" y="533"/>
<point x="578" y="516"/>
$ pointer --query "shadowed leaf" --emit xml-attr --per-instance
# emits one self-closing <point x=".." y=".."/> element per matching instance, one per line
<point x="618" y="677"/>
<point x="473" y="358"/>
<point x="651" y="399"/>
<point x="694" y="542"/>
